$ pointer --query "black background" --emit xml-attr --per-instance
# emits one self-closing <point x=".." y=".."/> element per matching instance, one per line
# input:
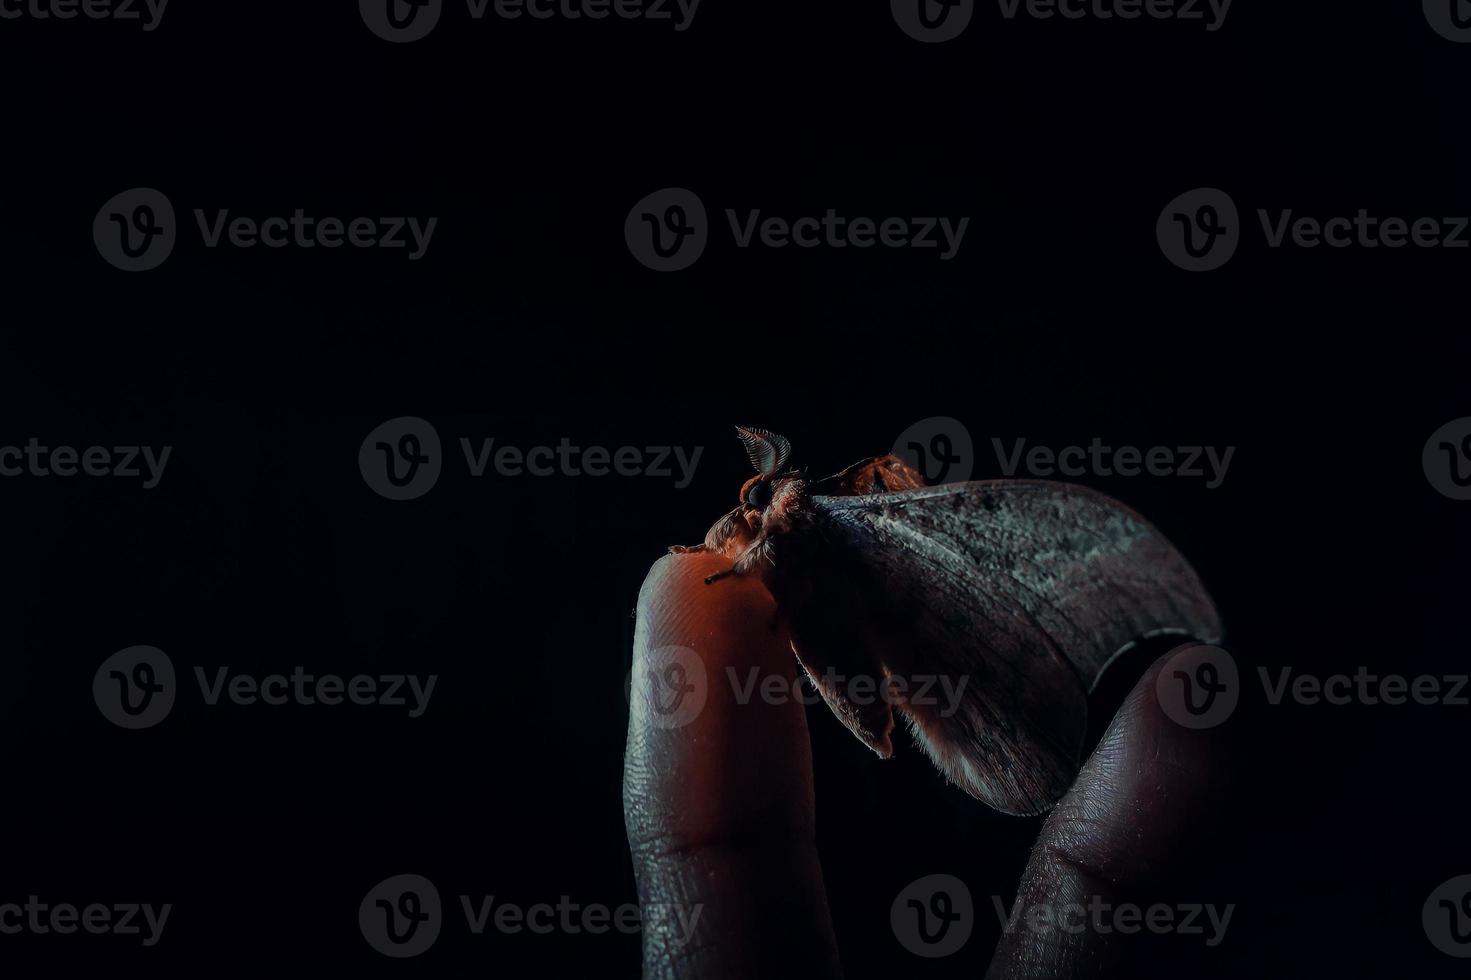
<point x="528" y="321"/>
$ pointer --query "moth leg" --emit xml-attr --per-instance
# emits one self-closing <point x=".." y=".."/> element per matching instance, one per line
<point x="759" y="551"/>
<point x="746" y="562"/>
<point x="686" y="549"/>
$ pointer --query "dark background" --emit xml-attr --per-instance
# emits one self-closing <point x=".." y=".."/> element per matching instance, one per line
<point x="528" y="320"/>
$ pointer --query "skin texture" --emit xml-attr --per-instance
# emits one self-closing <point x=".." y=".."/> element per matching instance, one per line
<point x="720" y="810"/>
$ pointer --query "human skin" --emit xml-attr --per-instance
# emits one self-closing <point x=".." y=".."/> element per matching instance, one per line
<point x="720" y="810"/>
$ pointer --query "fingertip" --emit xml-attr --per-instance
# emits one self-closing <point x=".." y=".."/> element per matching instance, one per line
<point x="1158" y="767"/>
<point x="718" y="796"/>
<point x="1142" y="802"/>
<point x="728" y="621"/>
<point x="715" y="749"/>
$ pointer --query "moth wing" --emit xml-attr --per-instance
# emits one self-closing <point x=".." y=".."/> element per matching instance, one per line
<point x="831" y="633"/>
<point x="1026" y="588"/>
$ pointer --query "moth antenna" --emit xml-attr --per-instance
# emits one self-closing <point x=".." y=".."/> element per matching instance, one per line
<point x="767" y="451"/>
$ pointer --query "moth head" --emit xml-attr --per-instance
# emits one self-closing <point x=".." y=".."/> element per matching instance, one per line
<point x="768" y="453"/>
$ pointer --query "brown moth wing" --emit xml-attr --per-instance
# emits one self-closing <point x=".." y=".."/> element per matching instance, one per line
<point x="832" y="635"/>
<point x="1027" y="588"/>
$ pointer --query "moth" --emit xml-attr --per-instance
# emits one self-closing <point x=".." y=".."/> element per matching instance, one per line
<point x="1010" y="596"/>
